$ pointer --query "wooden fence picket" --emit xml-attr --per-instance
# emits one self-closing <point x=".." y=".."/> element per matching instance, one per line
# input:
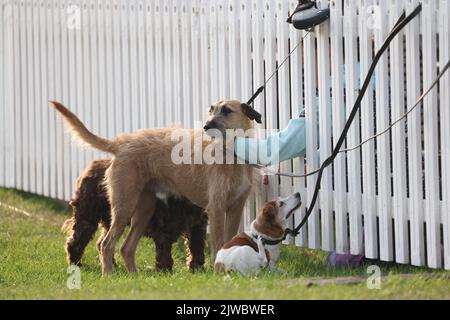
<point x="353" y="158"/>
<point x="383" y="142"/>
<point x="444" y="56"/>
<point x="338" y="111"/>
<point x="432" y="202"/>
<point x="414" y="141"/>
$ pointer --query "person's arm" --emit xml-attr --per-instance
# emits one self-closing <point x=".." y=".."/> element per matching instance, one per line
<point x="284" y="145"/>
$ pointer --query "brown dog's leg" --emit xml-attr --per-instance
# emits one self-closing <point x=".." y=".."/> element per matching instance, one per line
<point x="100" y="239"/>
<point x="139" y="224"/>
<point x="109" y="242"/>
<point x="125" y="187"/>
<point x="217" y="226"/>
<point x="234" y="215"/>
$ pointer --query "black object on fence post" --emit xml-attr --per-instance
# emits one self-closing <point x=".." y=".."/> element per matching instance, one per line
<point x="308" y="15"/>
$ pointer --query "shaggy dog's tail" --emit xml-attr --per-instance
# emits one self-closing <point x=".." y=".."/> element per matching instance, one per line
<point x="80" y="132"/>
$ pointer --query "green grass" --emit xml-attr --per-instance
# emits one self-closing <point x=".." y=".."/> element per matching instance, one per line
<point x="33" y="266"/>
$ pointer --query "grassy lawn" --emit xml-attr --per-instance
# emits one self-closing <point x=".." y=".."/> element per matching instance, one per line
<point x="33" y="266"/>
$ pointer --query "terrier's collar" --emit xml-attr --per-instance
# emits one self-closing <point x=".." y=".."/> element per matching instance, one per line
<point x="265" y="240"/>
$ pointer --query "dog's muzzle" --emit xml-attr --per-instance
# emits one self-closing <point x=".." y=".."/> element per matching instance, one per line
<point x="210" y="125"/>
<point x="299" y="203"/>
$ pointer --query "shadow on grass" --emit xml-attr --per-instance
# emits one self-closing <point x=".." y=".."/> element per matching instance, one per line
<point x="35" y="201"/>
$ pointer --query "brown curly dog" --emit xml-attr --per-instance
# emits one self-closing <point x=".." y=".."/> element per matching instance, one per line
<point x="174" y="217"/>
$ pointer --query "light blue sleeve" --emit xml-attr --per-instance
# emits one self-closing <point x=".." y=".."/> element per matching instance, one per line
<point x="284" y="145"/>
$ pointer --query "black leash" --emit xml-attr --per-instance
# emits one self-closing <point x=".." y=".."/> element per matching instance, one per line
<point x="400" y="24"/>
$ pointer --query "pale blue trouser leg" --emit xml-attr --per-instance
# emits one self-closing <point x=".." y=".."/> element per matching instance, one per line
<point x="284" y="145"/>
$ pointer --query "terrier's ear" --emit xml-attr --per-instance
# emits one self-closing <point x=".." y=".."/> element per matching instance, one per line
<point x="270" y="210"/>
<point x="251" y="113"/>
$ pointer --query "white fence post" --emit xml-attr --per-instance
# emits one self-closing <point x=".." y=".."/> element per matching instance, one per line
<point x="325" y="129"/>
<point x="224" y="50"/>
<point x="367" y="129"/>
<point x="398" y="141"/>
<point x="270" y="50"/>
<point x="312" y="160"/>
<point x="284" y="110"/>
<point x="383" y="142"/>
<point x="432" y="204"/>
<point x="353" y="158"/>
<point x="258" y="29"/>
<point x="297" y="104"/>
<point x="245" y="37"/>
<point x="9" y="100"/>
<point x="3" y="130"/>
<point x="205" y="61"/>
<point x="185" y="35"/>
<point x="50" y="57"/>
<point x="414" y="142"/>
<point x="79" y="91"/>
<point x="168" y="62"/>
<point x="71" y="19"/>
<point x="195" y="56"/>
<point x="338" y="111"/>
<point x="444" y="56"/>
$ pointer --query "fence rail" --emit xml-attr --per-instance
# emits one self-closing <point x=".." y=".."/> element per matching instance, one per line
<point x="123" y="65"/>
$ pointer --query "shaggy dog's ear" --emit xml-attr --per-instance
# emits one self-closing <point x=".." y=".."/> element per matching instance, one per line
<point x="251" y="113"/>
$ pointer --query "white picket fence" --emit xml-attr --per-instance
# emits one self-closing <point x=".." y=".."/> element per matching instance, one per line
<point x="123" y="65"/>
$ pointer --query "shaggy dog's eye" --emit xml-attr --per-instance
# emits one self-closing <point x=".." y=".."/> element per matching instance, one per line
<point x="281" y="204"/>
<point x="211" y="109"/>
<point x="226" y="111"/>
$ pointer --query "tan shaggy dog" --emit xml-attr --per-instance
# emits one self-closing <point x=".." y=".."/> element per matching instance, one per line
<point x="142" y="165"/>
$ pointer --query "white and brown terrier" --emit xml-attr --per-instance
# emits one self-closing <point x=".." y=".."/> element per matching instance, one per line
<point x="250" y="251"/>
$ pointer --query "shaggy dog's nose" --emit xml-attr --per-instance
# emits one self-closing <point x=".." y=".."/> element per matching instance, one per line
<point x="208" y="125"/>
